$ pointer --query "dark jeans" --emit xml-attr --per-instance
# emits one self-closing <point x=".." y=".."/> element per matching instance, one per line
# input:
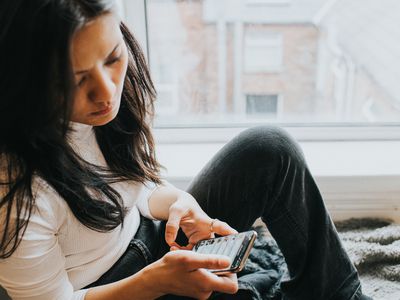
<point x="262" y="173"/>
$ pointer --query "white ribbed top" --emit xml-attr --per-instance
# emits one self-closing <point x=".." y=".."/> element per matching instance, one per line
<point x="58" y="255"/>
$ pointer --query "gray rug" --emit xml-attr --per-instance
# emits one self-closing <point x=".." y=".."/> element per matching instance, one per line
<point x="374" y="247"/>
<point x="372" y="244"/>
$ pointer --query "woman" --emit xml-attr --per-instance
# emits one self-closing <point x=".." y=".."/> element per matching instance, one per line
<point x="80" y="187"/>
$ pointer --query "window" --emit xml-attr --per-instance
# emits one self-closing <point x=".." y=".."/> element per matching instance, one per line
<point x="266" y="105"/>
<point x="207" y="56"/>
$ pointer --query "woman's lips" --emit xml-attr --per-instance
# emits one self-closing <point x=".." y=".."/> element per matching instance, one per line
<point x="103" y="111"/>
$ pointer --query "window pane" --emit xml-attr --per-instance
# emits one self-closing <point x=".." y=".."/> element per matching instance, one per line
<point x="266" y="105"/>
<point x="224" y="61"/>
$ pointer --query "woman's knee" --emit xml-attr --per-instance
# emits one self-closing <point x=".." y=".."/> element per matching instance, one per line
<point x="270" y="143"/>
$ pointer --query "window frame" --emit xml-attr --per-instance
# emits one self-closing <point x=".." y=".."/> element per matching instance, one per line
<point x="268" y="2"/>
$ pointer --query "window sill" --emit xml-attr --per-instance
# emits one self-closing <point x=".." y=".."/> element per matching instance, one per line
<point x="356" y="178"/>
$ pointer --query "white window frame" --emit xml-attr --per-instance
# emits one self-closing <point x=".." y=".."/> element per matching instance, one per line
<point x="372" y="192"/>
<point x="268" y="2"/>
<point x="135" y="18"/>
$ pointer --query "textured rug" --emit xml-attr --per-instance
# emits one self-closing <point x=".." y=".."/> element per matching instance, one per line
<point x="372" y="244"/>
<point x="374" y="247"/>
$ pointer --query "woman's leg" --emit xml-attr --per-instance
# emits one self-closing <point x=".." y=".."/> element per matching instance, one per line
<point x="262" y="173"/>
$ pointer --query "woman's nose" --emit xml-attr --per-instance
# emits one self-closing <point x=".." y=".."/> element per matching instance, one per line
<point x="103" y="89"/>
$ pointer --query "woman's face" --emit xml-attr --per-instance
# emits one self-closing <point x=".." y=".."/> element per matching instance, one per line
<point x="99" y="61"/>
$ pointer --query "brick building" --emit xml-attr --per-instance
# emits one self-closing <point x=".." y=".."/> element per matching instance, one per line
<point x="241" y="60"/>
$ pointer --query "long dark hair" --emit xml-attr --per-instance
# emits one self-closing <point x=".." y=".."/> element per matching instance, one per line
<point x="37" y="89"/>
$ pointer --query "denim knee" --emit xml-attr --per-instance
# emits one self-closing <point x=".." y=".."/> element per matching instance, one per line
<point x="270" y="142"/>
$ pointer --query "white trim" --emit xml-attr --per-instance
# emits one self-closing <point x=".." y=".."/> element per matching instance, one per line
<point x="238" y="103"/>
<point x="350" y="197"/>
<point x="120" y="9"/>
<point x="221" y="42"/>
<point x="135" y="16"/>
<point x="325" y="159"/>
<point x="362" y="196"/>
<point x="268" y="2"/>
<point x="356" y="179"/>
<point x="224" y="132"/>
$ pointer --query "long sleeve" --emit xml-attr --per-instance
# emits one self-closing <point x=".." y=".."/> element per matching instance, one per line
<point x="146" y="192"/>
<point x="143" y="196"/>
<point x="36" y="270"/>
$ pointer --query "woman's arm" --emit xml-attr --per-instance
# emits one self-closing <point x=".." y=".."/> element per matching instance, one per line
<point x="36" y="270"/>
<point x="138" y="286"/>
<point x="162" y="198"/>
<point x="178" y="272"/>
<point x="181" y="210"/>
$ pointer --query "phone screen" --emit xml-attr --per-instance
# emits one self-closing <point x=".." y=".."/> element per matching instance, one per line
<point x="234" y="246"/>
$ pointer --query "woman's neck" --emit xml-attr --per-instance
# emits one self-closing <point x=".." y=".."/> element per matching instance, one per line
<point x="79" y="131"/>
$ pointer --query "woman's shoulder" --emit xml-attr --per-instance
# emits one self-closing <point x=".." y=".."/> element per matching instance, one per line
<point x="47" y="203"/>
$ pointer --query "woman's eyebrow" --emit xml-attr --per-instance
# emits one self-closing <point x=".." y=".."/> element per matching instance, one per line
<point x="84" y="71"/>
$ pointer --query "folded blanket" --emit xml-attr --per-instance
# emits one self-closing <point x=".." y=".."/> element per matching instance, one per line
<point x="373" y="246"/>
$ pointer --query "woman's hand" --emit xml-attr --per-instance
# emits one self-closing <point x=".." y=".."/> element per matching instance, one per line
<point x="183" y="273"/>
<point x="187" y="214"/>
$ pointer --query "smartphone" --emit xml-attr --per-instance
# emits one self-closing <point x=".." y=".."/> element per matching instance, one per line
<point x="236" y="246"/>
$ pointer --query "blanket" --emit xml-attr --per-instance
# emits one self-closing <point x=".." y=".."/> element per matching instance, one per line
<point x="373" y="246"/>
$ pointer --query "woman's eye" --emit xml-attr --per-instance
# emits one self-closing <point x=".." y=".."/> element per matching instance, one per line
<point x="83" y="79"/>
<point x="113" y="60"/>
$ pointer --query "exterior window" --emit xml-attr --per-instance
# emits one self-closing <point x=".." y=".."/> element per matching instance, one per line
<point x="207" y="56"/>
<point x="262" y="105"/>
